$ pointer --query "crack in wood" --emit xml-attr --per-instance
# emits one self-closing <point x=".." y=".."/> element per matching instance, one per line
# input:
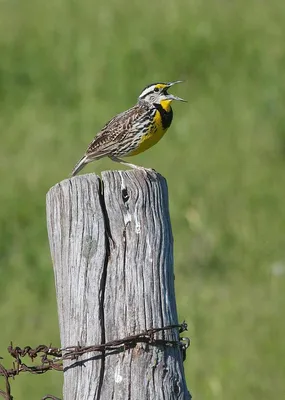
<point x="103" y="283"/>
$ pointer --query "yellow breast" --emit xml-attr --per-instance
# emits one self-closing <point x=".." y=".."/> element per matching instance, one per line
<point x="150" y="138"/>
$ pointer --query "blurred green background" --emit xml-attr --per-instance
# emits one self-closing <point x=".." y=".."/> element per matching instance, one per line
<point x="66" y="68"/>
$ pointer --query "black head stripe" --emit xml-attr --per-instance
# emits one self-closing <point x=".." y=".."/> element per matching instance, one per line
<point x="143" y="95"/>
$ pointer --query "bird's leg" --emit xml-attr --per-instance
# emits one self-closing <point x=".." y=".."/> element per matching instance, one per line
<point x="134" y="166"/>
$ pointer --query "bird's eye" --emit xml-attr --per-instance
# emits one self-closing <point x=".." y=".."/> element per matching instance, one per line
<point x="156" y="89"/>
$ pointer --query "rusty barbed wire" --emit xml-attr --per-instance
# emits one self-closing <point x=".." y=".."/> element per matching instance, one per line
<point x="7" y="393"/>
<point x="52" y="357"/>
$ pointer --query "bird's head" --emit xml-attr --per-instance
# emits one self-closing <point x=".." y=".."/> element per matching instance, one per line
<point x="156" y="93"/>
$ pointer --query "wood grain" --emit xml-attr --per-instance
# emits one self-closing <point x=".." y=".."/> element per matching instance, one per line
<point x="112" y="252"/>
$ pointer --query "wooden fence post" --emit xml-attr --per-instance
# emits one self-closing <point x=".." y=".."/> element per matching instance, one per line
<point x="112" y="252"/>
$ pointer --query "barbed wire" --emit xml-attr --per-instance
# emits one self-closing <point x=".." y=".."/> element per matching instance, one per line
<point x="52" y="357"/>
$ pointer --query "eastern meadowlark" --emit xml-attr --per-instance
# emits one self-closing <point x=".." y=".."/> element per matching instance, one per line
<point x="135" y="130"/>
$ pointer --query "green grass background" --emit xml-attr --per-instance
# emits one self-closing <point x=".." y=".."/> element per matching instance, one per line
<point x="67" y="67"/>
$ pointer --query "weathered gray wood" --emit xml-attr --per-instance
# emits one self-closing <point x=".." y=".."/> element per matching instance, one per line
<point x="76" y="227"/>
<point x="112" y="253"/>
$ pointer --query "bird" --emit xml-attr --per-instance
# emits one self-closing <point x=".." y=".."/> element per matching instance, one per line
<point x="134" y="130"/>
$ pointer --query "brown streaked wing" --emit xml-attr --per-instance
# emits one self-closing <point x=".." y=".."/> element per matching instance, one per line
<point x="115" y="131"/>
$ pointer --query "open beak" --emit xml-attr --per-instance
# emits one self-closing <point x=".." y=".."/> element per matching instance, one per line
<point x="171" y="96"/>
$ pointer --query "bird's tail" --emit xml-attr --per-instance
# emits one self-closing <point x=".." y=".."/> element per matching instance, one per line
<point x="79" y="166"/>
